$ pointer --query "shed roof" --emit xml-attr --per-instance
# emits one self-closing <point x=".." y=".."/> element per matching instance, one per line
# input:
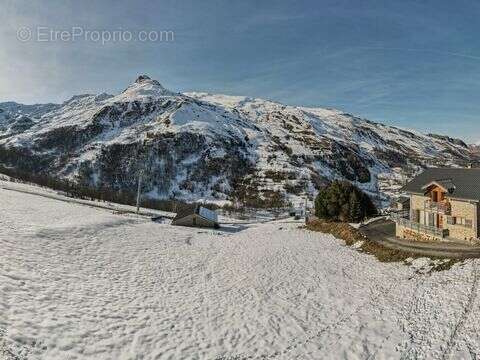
<point x="186" y="211"/>
<point x="460" y="182"/>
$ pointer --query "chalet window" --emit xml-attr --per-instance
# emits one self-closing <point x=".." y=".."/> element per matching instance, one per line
<point x="462" y="222"/>
<point x="431" y="219"/>
<point x="451" y="220"/>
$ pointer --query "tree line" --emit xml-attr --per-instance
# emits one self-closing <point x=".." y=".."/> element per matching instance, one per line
<point x="102" y="193"/>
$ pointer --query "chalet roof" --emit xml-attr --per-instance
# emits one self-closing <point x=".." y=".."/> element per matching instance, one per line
<point x="461" y="183"/>
<point x="446" y="184"/>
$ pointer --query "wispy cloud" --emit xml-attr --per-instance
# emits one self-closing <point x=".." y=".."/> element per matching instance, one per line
<point x="430" y="51"/>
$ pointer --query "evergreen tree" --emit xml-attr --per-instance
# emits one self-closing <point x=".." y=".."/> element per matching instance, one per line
<point x="355" y="208"/>
<point x="342" y="201"/>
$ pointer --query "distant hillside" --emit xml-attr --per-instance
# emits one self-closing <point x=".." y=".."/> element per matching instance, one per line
<point x="198" y="146"/>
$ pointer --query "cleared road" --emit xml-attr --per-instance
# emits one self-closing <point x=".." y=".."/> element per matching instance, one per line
<point x="383" y="232"/>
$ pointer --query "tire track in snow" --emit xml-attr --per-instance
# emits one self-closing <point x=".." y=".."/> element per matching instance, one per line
<point x="334" y="325"/>
<point x="330" y="327"/>
<point x="312" y="334"/>
<point x="463" y="317"/>
<point x="376" y="292"/>
<point x="411" y="303"/>
<point x="414" y="303"/>
<point x="418" y="337"/>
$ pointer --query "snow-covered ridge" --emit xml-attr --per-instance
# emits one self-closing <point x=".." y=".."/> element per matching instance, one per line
<point x="214" y="147"/>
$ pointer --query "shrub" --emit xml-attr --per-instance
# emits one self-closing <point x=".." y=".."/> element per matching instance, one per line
<point x="343" y="201"/>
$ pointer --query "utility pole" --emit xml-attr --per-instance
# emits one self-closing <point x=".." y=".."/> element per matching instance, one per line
<point x="305" y="207"/>
<point x="140" y="169"/>
<point x="138" y="190"/>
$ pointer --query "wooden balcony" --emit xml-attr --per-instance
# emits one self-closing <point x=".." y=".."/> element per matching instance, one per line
<point x="401" y="220"/>
<point x="439" y="207"/>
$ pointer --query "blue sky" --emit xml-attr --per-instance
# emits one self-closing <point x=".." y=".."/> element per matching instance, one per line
<point x="414" y="64"/>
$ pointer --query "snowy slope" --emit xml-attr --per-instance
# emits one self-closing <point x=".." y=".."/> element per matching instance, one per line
<point x="214" y="147"/>
<point x="83" y="283"/>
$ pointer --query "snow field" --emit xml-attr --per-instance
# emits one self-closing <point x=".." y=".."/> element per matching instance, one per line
<point x="78" y="282"/>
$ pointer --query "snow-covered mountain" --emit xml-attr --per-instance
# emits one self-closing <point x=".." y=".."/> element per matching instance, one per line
<point x="198" y="146"/>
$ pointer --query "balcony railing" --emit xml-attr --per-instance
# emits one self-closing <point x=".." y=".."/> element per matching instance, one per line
<point x="401" y="220"/>
<point x="440" y="207"/>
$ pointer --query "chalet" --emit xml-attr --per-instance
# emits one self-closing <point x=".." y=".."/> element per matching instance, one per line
<point x="196" y="215"/>
<point x="444" y="205"/>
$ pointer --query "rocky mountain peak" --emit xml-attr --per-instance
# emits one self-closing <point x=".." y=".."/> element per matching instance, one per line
<point x="142" y="78"/>
<point x="144" y="86"/>
<point x="146" y="79"/>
